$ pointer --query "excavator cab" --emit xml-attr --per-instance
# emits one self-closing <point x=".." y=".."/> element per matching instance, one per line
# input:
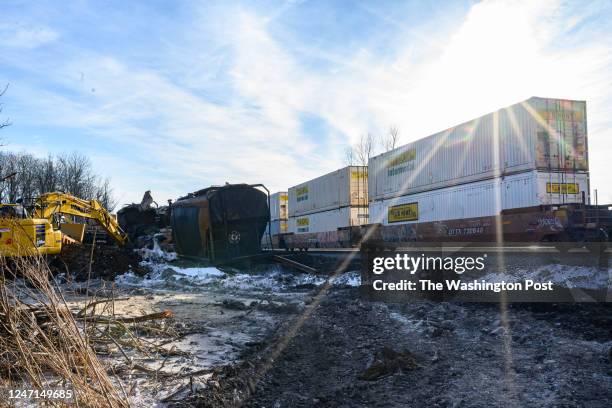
<point x="9" y="211"/>
<point x="27" y="236"/>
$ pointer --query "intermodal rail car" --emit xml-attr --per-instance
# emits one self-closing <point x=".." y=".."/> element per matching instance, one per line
<point x="560" y="224"/>
<point x="516" y="175"/>
<point x="563" y="226"/>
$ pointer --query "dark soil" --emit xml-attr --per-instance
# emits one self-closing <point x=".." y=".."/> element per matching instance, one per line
<point x="108" y="261"/>
<point x="351" y="353"/>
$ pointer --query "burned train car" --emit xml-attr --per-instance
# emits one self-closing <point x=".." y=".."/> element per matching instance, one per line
<point x="220" y="223"/>
<point x="144" y="218"/>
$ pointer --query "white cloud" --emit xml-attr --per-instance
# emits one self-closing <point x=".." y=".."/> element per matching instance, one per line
<point x="499" y="54"/>
<point x="502" y="53"/>
<point x="26" y="36"/>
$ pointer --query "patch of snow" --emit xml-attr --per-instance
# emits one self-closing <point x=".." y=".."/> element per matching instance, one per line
<point x="409" y="324"/>
<point x="352" y="279"/>
<point x="156" y="254"/>
<point x="586" y="277"/>
<point x="164" y="275"/>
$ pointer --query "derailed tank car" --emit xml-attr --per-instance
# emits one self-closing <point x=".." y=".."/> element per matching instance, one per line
<point x="220" y="223"/>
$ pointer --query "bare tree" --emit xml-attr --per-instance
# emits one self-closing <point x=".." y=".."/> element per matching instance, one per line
<point x="104" y="194"/>
<point x="46" y="175"/>
<point x="70" y="173"/>
<point x="391" y="139"/>
<point x="75" y="175"/>
<point x="27" y="165"/>
<point x="10" y="187"/>
<point x="365" y="148"/>
<point x="6" y="122"/>
<point x="349" y="156"/>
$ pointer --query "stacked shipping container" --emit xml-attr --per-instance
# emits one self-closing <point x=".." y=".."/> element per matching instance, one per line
<point x="319" y="207"/>
<point x="528" y="154"/>
<point x="279" y="214"/>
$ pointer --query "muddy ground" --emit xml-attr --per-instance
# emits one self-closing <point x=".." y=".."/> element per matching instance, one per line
<point x="274" y="337"/>
<point x="340" y="351"/>
<point x="547" y="356"/>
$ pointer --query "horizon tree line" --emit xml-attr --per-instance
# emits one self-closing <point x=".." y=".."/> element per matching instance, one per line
<point x="25" y="176"/>
<point x="70" y="173"/>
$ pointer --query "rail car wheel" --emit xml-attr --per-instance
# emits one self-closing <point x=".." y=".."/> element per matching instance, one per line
<point x="561" y="242"/>
<point x="563" y="247"/>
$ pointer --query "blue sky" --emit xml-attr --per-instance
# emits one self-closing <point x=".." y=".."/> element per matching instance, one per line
<point x="174" y="96"/>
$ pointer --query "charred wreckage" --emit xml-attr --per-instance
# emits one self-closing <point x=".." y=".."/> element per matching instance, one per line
<point x="217" y="223"/>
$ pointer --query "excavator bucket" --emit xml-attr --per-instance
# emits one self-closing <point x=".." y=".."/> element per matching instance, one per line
<point x="73" y="230"/>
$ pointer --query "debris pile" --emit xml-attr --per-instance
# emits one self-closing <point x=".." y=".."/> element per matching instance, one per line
<point x="143" y="219"/>
<point x="48" y="341"/>
<point x="83" y="262"/>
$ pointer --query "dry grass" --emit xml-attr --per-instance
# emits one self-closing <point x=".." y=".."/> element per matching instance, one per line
<point x="42" y="343"/>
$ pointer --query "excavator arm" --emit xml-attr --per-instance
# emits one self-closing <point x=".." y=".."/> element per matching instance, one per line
<point x="49" y="204"/>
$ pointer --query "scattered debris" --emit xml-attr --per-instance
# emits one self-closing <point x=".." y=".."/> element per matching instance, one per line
<point x="142" y="219"/>
<point x="233" y="304"/>
<point x="387" y="362"/>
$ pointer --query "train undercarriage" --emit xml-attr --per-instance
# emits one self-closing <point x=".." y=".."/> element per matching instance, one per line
<point x="563" y="226"/>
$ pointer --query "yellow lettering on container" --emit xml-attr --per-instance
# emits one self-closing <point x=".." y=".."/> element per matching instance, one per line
<point x="403" y="212"/>
<point x="562" y="188"/>
<point x="404" y="157"/>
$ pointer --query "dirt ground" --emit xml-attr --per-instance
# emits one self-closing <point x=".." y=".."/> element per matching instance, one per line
<point x="272" y="337"/>
<point x="547" y="356"/>
<point x="346" y="352"/>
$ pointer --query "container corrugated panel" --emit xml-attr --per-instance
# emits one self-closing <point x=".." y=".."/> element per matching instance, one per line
<point x="277" y="227"/>
<point x="340" y="188"/>
<point x="482" y="198"/>
<point x="329" y="220"/>
<point x="539" y="133"/>
<point x="279" y="206"/>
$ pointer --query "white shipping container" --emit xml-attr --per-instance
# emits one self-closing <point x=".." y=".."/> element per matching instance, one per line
<point x="482" y="198"/>
<point x="279" y="206"/>
<point x="277" y="227"/>
<point x="341" y="188"/>
<point x="539" y="133"/>
<point x="329" y="220"/>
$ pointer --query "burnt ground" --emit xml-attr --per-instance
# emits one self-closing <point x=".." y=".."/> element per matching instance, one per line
<point x="351" y="353"/>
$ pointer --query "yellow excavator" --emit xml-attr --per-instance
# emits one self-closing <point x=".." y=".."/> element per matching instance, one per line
<point x="43" y="229"/>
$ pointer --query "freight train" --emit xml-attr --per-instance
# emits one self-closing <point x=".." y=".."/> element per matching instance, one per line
<point x="220" y="223"/>
<point x="519" y="174"/>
